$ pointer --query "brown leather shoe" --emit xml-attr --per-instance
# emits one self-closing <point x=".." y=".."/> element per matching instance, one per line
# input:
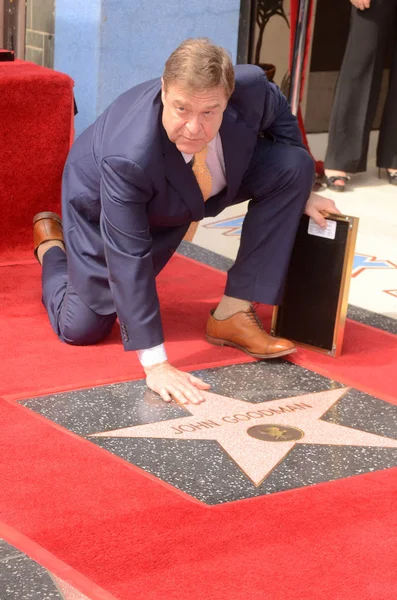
<point x="245" y="332"/>
<point x="47" y="226"/>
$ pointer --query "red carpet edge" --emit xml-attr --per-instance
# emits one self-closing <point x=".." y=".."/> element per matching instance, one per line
<point x="53" y="564"/>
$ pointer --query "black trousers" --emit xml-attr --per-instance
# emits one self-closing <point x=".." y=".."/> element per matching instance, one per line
<point x="357" y="92"/>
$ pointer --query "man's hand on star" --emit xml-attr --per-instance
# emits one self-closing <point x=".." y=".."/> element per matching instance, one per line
<point x="318" y="208"/>
<point x="169" y="382"/>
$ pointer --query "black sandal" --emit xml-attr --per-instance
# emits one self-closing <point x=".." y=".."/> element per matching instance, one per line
<point x="330" y="182"/>
<point x="391" y="177"/>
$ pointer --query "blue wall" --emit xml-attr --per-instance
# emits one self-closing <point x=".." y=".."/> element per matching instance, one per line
<point x="107" y="46"/>
<point x="77" y="52"/>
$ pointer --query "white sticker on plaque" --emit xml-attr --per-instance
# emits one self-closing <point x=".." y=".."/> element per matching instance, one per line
<point x="326" y="232"/>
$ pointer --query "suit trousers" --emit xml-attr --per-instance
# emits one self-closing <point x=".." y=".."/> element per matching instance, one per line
<point x="278" y="183"/>
<point x="358" y="89"/>
<point x="72" y="320"/>
<point x="278" y="180"/>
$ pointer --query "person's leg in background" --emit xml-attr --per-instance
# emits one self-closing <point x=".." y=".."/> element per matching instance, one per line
<point x="387" y="145"/>
<point x="279" y="181"/>
<point x="357" y="91"/>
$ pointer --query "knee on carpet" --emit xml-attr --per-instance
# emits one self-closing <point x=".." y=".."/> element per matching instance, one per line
<point x="87" y="333"/>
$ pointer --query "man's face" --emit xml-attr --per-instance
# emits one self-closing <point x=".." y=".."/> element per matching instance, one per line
<point x="192" y="119"/>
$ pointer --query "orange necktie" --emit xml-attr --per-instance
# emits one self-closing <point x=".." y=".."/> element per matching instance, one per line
<point x="204" y="180"/>
<point x="202" y="173"/>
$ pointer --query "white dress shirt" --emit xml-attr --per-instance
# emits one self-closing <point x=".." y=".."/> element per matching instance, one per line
<point x="216" y="163"/>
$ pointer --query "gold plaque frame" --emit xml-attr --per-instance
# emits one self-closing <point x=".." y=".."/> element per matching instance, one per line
<point x="342" y="304"/>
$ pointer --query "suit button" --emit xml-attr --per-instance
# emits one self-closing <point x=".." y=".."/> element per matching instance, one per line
<point x="124" y="332"/>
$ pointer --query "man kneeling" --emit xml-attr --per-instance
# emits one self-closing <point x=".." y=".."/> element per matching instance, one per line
<point x="164" y="155"/>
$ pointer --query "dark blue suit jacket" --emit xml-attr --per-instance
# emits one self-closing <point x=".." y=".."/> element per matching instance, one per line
<point x="128" y="196"/>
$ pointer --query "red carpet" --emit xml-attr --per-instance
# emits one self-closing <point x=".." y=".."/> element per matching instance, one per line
<point x="37" y="362"/>
<point x="137" y="538"/>
<point x="112" y="531"/>
<point x="368" y="362"/>
<point x="106" y="527"/>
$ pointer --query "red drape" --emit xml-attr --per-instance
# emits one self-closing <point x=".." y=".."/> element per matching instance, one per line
<point x="294" y="8"/>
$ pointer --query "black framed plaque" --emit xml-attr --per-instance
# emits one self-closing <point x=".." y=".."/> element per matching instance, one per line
<point x="314" y="305"/>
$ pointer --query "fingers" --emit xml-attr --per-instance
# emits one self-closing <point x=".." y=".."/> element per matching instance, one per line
<point x="319" y="209"/>
<point x="318" y="218"/>
<point x="194" y="395"/>
<point x="186" y="394"/>
<point x="199" y="383"/>
<point x="178" y="395"/>
<point x="170" y="383"/>
<point x="330" y="208"/>
<point x="181" y="391"/>
<point x="361" y="4"/>
<point x="188" y="390"/>
<point x="165" y="395"/>
<point x="335" y="210"/>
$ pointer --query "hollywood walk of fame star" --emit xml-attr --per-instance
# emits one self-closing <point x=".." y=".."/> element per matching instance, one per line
<point x="258" y="436"/>
<point x="67" y="591"/>
<point x="362" y="262"/>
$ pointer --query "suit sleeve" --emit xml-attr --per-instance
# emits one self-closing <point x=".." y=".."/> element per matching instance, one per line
<point x="278" y="120"/>
<point x="125" y="193"/>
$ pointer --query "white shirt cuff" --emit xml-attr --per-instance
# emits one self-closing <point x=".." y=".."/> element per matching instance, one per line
<point x="152" y="356"/>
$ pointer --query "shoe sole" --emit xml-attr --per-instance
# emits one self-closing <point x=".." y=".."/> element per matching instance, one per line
<point x="337" y="188"/>
<point x="219" y="342"/>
